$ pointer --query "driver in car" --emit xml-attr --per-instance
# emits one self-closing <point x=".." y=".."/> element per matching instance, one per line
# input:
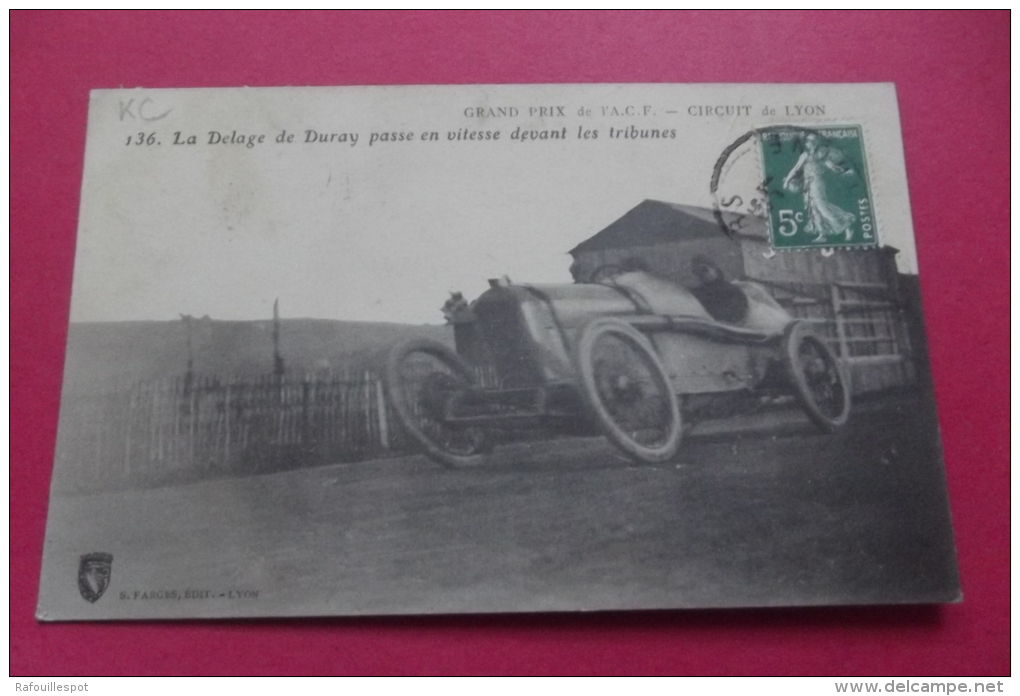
<point x="722" y="300"/>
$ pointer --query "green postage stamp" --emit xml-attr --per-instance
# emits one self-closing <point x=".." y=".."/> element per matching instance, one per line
<point x="816" y="181"/>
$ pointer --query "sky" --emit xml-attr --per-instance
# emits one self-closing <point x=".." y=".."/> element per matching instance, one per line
<point x="385" y="231"/>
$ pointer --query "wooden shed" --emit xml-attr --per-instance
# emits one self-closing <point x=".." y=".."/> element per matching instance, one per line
<point x="853" y="297"/>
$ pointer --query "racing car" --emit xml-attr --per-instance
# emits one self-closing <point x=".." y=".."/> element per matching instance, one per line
<point x="633" y="356"/>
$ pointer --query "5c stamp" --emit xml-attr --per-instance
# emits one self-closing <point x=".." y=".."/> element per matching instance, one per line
<point x="816" y="188"/>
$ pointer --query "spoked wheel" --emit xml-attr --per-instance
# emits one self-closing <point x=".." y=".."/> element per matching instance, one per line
<point x="423" y="378"/>
<point x="627" y="391"/>
<point x="817" y="378"/>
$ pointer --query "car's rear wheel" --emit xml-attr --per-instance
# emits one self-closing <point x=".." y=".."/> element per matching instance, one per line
<point x="423" y="377"/>
<point x="819" y="381"/>
<point x="626" y="390"/>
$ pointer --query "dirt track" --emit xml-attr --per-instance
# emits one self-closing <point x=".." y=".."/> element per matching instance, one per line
<point x="747" y="519"/>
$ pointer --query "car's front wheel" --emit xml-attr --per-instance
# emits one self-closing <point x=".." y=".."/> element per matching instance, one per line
<point x="818" y="379"/>
<point x="626" y="390"/>
<point x="423" y="378"/>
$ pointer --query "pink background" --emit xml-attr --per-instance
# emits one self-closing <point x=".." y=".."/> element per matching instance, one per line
<point x="952" y="75"/>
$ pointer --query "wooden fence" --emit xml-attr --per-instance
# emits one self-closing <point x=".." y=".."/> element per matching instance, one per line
<point x="186" y="429"/>
<point x="865" y="325"/>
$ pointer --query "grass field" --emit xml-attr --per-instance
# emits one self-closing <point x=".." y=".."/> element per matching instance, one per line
<point x="122" y="353"/>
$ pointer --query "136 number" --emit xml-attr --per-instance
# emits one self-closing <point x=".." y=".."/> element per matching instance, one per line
<point x="142" y="139"/>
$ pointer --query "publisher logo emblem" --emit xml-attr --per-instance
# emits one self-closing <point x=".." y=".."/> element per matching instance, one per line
<point x="94" y="575"/>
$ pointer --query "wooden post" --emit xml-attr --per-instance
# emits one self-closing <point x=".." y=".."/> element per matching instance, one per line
<point x="192" y="418"/>
<point x="226" y="425"/>
<point x="837" y="309"/>
<point x="305" y="424"/>
<point x="281" y="414"/>
<point x="157" y="394"/>
<point x="97" y="428"/>
<point x="130" y="427"/>
<point x="844" y="348"/>
<point x="367" y="405"/>
<point x="384" y="426"/>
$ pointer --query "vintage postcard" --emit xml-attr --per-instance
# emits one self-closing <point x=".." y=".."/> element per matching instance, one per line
<point x="445" y="349"/>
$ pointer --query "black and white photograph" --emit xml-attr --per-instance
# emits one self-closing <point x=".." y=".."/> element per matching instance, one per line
<point x="486" y="349"/>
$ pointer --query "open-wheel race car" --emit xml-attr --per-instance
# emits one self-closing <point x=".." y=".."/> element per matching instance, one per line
<point x="634" y="356"/>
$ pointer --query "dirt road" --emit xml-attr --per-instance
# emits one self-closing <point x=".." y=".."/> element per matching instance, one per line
<point x="753" y="518"/>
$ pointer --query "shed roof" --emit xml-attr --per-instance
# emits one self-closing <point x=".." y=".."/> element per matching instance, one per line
<point x="658" y="222"/>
